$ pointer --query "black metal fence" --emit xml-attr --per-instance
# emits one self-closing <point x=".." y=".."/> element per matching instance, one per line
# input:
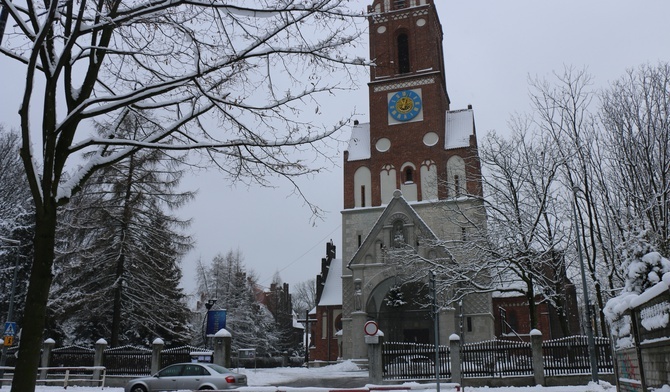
<point x="410" y="361"/>
<point x="570" y="355"/>
<point x="496" y="358"/>
<point x="129" y="360"/>
<point x="71" y="356"/>
<point x="125" y="360"/>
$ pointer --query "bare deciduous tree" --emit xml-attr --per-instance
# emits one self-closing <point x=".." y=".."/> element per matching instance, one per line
<point x="304" y="296"/>
<point x="233" y="80"/>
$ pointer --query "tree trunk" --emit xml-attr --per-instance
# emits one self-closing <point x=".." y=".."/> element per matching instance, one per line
<point x="34" y="318"/>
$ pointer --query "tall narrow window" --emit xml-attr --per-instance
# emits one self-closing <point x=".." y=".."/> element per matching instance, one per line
<point x="360" y="240"/>
<point x="409" y="175"/>
<point x="457" y="186"/>
<point x="362" y="195"/>
<point x="403" y="53"/>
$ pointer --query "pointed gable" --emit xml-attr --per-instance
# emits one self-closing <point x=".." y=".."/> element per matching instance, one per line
<point x="398" y="209"/>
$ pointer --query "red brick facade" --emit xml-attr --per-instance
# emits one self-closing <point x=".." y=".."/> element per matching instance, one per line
<point x="425" y="72"/>
<point x="325" y="342"/>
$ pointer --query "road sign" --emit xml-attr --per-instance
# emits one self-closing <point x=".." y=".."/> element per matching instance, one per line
<point x="371" y="328"/>
<point x="10" y="329"/>
<point x="9" y="340"/>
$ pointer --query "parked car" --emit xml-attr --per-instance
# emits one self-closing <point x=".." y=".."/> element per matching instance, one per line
<point x="410" y="365"/>
<point x="188" y="376"/>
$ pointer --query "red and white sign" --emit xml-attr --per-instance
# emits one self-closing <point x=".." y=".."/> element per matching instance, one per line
<point x="371" y="328"/>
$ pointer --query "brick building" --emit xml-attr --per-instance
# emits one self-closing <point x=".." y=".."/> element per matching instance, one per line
<point x="411" y="178"/>
<point x="328" y="313"/>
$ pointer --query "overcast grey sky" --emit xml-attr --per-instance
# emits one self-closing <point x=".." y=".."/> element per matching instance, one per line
<point x="491" y="47"/>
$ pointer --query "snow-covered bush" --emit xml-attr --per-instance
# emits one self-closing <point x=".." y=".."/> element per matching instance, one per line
<point x="642" y="278"/>
<point x="645" y="272"/>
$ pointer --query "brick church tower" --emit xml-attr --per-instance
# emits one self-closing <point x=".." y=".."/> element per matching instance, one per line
<point x="404" y="171"/>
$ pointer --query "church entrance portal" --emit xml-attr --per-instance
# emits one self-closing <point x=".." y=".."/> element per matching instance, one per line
<point x="402" y="311"/>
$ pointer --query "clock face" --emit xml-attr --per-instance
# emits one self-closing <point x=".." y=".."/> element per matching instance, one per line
<point x="404" y="105"/>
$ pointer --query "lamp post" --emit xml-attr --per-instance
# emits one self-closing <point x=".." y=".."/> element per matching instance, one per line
<point x="10" y="311"/>
<point x="436" y="326"/>
<point x="587" y="307"/>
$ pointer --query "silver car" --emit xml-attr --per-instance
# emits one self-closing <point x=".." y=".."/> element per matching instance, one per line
<point x="190" y="377"/>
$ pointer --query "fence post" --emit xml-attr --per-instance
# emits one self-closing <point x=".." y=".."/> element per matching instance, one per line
<point x="156" y="348"/>
<point x="47" y="346"/>
<point x="222" y="341"/>
<point x="455" y="357"/>
<point x="98" y="360"/>
<point x="375" y="367"/>
<point x="538" y="356"/>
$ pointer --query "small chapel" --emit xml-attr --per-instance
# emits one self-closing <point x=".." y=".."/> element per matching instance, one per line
<point x="412" y="185"/>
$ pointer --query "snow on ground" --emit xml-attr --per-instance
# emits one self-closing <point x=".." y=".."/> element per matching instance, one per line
<point x="275" y="377"/>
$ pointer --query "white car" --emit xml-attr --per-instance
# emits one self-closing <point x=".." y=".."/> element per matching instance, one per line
<point x="188" y="376"/>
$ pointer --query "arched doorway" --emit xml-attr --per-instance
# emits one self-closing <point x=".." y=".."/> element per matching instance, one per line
<point x="402" y="311"/>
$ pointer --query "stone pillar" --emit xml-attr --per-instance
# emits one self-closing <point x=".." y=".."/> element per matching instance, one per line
<point x="375" y="368"/>
<point x="156" y="348"/>
<point x="100" y="347"/>
<point x="447" y="324"/>
<point x="47" y="346"/>
<point x="222" y="341"/>
<point x="359" y="348"/>
<point x="455" y="357"/>
<point x="538" y="360"/>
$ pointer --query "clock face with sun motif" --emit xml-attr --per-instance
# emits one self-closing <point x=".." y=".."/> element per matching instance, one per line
<point x="404" y="105"/>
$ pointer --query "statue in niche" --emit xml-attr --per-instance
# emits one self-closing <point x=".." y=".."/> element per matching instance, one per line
<point x="398" y="234"/>
<point x="358" y="293"/>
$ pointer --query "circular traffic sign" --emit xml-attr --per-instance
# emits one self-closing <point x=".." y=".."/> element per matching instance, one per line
<point x="371" y="328"/>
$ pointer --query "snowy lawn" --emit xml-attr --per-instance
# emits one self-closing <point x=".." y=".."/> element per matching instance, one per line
<point x="275" y="377"/>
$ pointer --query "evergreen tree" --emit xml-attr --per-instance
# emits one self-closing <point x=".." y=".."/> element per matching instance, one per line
<point x="119" y="276"/>
<point x="236" y="290"/>
<point x="16" y="225"/>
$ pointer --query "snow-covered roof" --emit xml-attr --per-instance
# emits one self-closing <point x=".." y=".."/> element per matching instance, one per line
<point x="332" y="290"/>
<point x="459" y="126"/>
<point x="296" y="323"/>
<point x="359" y="144"/>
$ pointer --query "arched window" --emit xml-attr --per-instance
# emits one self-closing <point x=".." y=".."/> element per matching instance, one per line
<point x="409" y="174"/>
<point x="403" y="53"/>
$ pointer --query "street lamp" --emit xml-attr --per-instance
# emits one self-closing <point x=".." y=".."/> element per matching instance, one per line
<point x="10" y="311"/>
<point x="587" y="307"/>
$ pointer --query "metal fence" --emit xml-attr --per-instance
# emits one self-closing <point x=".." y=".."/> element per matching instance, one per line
<point x="178" y="354"/>
<point x="71" y="356"/>
<point x="496" y="358"/>
<point x="570" y="355"/>
<point x="413" y="361"/>
<point x="129" y="360"/>
<point x="124" y="360"/>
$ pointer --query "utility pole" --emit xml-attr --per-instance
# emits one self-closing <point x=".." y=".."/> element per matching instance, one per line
<point x="436" y="325"/>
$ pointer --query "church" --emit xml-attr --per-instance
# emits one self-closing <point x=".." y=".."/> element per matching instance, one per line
<point x="412" y="191"/>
